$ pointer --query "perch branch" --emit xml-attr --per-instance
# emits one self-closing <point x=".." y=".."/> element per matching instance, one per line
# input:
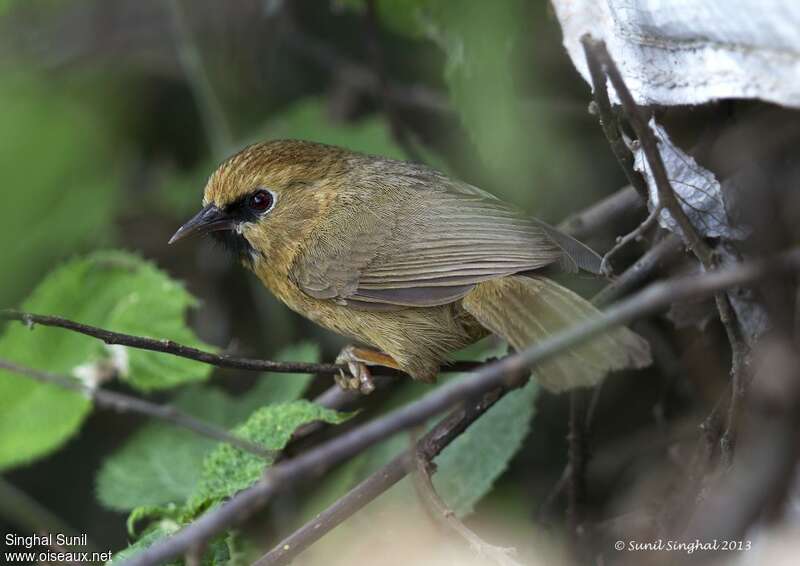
<point x="486" y="378"/>
<point x="129" y="404"/>
<point x="182" y="351"/>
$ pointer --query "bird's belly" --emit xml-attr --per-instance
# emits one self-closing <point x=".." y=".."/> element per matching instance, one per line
<point x="418" y="338"/>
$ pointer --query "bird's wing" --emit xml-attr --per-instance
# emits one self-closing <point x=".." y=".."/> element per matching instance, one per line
<point x="422" y="242"/>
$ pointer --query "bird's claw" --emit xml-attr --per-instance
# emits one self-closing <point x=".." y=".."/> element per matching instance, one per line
<point x="360" y="378"/>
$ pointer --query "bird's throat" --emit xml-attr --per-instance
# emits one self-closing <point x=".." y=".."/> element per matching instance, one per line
<point x="237" y="244"/>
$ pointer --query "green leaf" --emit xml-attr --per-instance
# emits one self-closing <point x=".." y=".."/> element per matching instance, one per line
<point x="113" y="290"/>
<point x="228" y="470"/>
<point x="162" y="464"/>
<point x="157" y="531"/>
<point x="469" y="466"/>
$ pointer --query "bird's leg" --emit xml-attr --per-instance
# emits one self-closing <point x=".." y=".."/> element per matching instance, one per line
<point x="357" y="360"/>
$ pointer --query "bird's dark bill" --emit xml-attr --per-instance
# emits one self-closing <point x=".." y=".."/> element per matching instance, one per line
<point x="209" y="219"/>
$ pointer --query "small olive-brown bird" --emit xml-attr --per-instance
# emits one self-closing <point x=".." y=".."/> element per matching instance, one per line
<point x="402" y="259"/>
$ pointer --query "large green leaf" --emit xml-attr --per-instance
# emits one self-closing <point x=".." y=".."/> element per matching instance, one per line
<point x="469" y="466"/>
<point x="114" y="290"/>
<point x="161" y="464"/>
<point x="228" y="470"/>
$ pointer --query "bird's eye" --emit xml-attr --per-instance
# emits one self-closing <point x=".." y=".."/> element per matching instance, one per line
<point x="261" y="200"/>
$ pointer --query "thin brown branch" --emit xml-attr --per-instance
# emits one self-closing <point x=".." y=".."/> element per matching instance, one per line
<point x="663" y="253"/>
<point x="609" y="122"/>
<point x="129" y="404"/>
<point x="598" y="55"/>
<point x="633" y="236"/>
<point x="487" y="378"/>
<point x="577" y="461"/>
<point x="607" y="212"/>
<point x="445" y="516"/>
<point x="175" y="349"/>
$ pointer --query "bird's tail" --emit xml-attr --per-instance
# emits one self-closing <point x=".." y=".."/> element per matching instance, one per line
<point x="524" y="310"/>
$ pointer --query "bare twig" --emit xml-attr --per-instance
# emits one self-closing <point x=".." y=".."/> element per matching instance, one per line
<point x="607" y="212"/>
<point x="175" y="349"/>
<point x="443" y="514"/>
<point x="633" y="236"/>
<point x="610" y="124"/>
<point x="129" y="404"/>
<point x="577" y="461"/>
<point x="597" y="53"/>
<point x="491" y="376"/>
<point x="663" y="253"/>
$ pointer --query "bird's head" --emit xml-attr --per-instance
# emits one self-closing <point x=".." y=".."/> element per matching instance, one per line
<point x="264" y="201"/>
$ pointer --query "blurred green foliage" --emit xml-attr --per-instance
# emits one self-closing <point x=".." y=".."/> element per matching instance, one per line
<point x="58" y="178"/>
<point x="478" y="38"/>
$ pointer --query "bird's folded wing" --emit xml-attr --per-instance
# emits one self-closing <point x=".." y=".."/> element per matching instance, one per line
<point x="418" y="247"/>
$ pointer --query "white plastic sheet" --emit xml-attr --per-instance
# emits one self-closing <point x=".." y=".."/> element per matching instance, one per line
<point x="693" y="51"/>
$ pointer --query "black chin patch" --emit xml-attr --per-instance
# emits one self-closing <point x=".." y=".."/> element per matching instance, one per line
<point x="235" y="243"/>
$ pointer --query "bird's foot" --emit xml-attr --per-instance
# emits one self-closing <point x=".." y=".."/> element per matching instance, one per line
<point x="357" y="361"/>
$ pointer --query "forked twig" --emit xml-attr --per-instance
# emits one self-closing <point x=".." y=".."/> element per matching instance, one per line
<point x="633" y="236"/>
